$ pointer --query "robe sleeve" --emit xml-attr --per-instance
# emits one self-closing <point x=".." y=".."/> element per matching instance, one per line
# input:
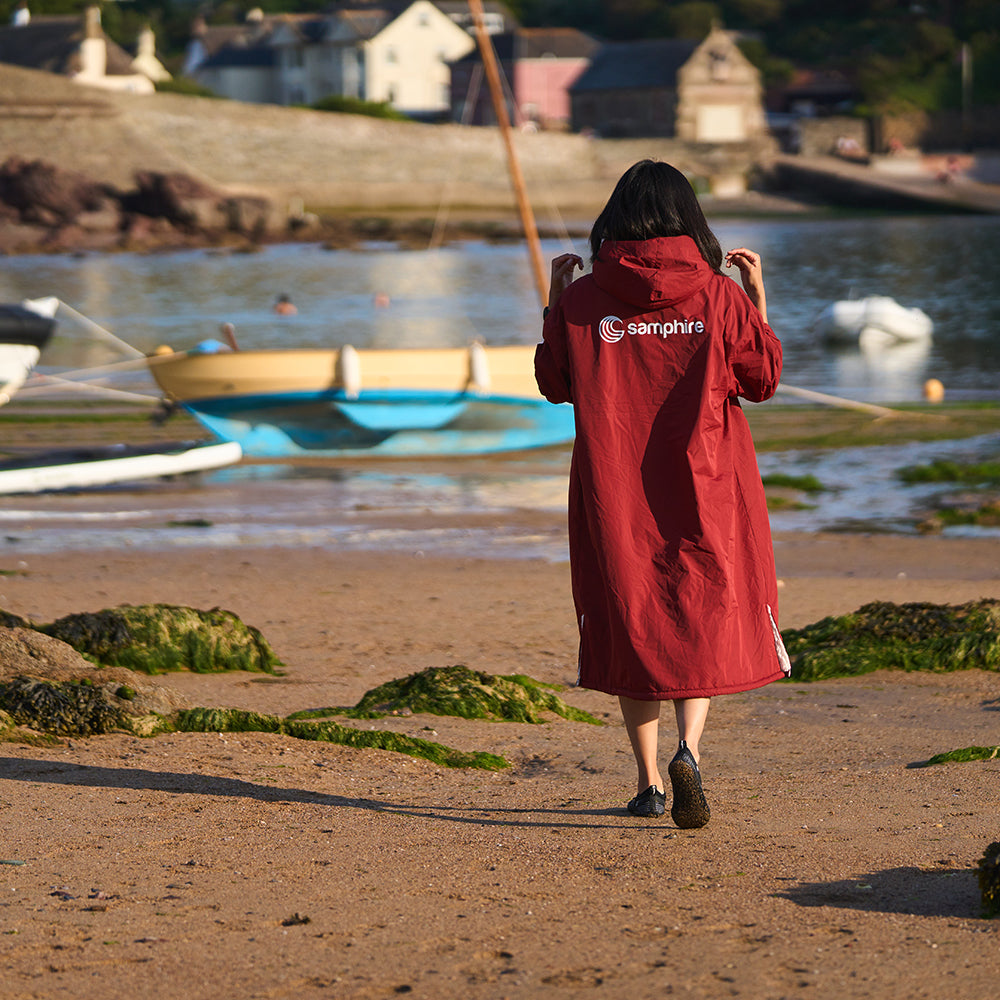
<point x="754" y="352"/>
<point x="552" y="360"/>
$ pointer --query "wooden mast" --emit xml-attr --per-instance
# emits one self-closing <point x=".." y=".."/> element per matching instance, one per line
<point x="500" y="109"/>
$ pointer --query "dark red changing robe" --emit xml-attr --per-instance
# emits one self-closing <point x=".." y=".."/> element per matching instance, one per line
<point x="670" y="544"/>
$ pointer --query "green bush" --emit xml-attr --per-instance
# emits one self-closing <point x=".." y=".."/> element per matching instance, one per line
<point x="355" y="106"/>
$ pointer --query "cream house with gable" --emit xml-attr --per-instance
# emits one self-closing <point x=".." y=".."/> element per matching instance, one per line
<point x="720" y="95"/>
<point x="409" y="60"/>
<point x="393" y="52"/>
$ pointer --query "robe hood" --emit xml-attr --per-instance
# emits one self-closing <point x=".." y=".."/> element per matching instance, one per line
<point x="651" y="274"/>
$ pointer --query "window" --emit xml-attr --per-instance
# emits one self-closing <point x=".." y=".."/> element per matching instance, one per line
<point x="390" y="55"/>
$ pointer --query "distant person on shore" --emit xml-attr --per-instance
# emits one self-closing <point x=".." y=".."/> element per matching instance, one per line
<point x="284" y="306"/>
<point x="671" y="559"/>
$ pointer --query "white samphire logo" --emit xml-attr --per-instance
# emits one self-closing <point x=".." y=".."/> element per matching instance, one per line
<point x="612" y="329"/>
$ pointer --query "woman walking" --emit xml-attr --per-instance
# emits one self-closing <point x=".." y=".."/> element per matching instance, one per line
<point x="670" y="546"/>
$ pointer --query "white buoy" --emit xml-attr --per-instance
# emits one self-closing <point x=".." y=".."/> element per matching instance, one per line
<point x="350" y="371"/>
<point x="479" y="369"/>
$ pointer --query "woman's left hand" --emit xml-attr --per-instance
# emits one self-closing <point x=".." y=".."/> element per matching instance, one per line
<point x="751" y="274"/>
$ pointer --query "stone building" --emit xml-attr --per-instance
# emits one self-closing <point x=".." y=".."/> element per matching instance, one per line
<point x="706" y="92"/>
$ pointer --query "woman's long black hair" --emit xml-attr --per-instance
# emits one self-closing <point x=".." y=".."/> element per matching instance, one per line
<point x="654" y="199"/>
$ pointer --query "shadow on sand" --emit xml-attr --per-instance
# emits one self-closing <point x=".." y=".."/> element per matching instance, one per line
<point x="139" y="779"/>
<point x="948" y="892"/>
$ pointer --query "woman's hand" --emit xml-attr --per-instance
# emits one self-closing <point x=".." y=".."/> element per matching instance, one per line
<point x="751" y="275"/>
<point x="563" y="267"/>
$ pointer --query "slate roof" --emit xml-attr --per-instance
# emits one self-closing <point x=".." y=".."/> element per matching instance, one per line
<point x="536" y="43"/>
<point x="563" y="43"/>
<point x="652" y="63"/>
<point x="460" y="9"/>
<point x="240" y="53"/>
<point x="367" y="23"/>
<point x="52" y="44"/>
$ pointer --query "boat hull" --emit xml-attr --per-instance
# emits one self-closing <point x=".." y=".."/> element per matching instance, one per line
<point x="880" y="319"/>
<point x="395" y="423"/>
<point x="88" y="467"/>
<point x="414" y="402"/>
<point x="23" y="334"/>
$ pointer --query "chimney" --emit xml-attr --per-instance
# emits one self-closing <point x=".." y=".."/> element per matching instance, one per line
<point x="93" y="48"/>
<point x="92" y="22"/>
<point x="147" y="43"/>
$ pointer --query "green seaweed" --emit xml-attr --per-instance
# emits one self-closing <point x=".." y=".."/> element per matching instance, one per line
<point x="9" y="620"/>
<point x="11" y="732"/>
<point x="989" y="880"/>
<point x="807" y="483"/>
<point x="459" y="691"/>
<point x="962" y="756"/>
<point x="783" y="503"/>
<point x="948" y="471"/>
<point x="225" y="720"/>
<point x="986" y="514"/>
<point x="157" y="638"/>
<point x="215" y="720"/>
<point x="886" y="636"/>
<point x="61" y="708"/>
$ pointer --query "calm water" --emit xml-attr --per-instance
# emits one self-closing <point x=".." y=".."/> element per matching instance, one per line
<point x="945" y="266"/>
<point x="447" y="297"/>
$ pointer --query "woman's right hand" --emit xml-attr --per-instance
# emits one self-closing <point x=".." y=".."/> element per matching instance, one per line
<point x="563" y="267"/>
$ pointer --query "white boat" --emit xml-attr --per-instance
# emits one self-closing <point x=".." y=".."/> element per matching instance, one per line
<point x="874" y="322"/>
<point x="24" y="331"/>
<point x="79" y="468"/>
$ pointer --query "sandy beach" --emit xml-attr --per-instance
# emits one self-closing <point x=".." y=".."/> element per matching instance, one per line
<point x="252" y="865"/>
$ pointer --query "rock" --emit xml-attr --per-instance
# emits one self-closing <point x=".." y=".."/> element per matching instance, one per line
<point x="24" y="651"/>
<point x="989" y="880"/>
<point x="182" y="200"/>
<point x="61" y="708"/>
<point x="26" y="655"/>
<point x="254" y="217"/>
<point x="45" y="195"/>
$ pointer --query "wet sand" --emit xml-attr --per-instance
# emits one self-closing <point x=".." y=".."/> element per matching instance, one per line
<point x="251" y="865"/>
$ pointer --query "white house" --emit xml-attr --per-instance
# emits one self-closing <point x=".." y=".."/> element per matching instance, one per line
<point x="395" y="52"/>
<point x="236" y="60"/>
<point x="77" y="47"/>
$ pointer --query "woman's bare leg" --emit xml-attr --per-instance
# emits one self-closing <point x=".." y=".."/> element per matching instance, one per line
<point x="691" y="715"/>
<point x="642" y="719"/>
<point x="690" y="809"/>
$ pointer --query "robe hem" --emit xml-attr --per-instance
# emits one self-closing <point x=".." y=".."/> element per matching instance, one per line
<point x="678" y="694"/>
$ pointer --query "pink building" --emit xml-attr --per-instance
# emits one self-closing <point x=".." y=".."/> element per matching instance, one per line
<point x="538" y="65"/>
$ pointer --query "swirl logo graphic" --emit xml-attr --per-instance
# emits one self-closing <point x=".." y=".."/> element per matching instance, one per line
<point x="612" y="329"/>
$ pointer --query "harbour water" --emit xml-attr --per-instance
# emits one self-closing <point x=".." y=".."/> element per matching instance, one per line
<point x="945" y="265"/>
<point x="380" y="295"/>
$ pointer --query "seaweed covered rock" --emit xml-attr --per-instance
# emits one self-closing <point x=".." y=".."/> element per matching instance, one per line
<point x="9" y="620"/>
<point x="989" y="880"/>
<point x="155" y="638"/>
<point x="470" y="694"/>
<point x="63" y="708"/>
<point x="234" y="720"/>
<point x="963" y="756"/>
<point x="887" y="636"/>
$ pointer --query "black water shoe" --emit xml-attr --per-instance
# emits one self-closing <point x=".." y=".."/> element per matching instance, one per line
<point x="690" y="809"/>
<point x="651" y="802"/>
